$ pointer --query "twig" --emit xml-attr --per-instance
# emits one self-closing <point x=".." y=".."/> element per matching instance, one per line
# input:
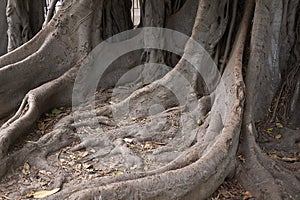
<point x="277" y="103"/>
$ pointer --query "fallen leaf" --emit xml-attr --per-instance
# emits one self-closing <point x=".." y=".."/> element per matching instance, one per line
<point x="289" y="159"/>
<point x="26" y="168"/>
<point x="128" y="140"/>
<point x="118" y="172"/>
<point x="133" y="167"/>
<point x="180" y="149"/>
<point x="44" y="193"/>
<point x="159" y="143"/>
<point x="88" y="165"/>
<point x="270" y="129"/>
<point x="56" y="111"/>
<point x="242" y="158"/>
<point x="247" y="195"/>
<point x="92" y="150"/>
<point x="112" y="103"/>
<point x="263" y="140"/>
<point x="279" y="125"/>
<point x="83" y="154"/>
<point x="148" y="146"/>
<point x="274" y="156"/>
<point x="199" y="122"/>
<point x="41" y="125"/>
<point x="278" y="136"/>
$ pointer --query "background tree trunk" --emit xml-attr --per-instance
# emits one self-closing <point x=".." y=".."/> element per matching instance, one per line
<point x="3" y="29"/>
<point x="36" y="15"/>
<point x="24" y="19"/>
<point x="177" y="136"/>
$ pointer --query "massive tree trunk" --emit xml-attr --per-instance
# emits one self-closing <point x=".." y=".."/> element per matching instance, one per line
<point x="161" y="132"/>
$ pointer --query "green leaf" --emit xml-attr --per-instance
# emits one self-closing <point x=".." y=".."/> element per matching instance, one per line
<point x="118" y="172"/>
<point x="263" y="140"/>
<point x="56" y="111"/>
<point x="180" y="149"/>
<point x="199" y="122"/>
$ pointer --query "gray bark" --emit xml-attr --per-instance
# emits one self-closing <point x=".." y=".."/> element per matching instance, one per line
<point x="24" y="19"/>
<point x="3" y="28"/>
<point x="32" y="81"/>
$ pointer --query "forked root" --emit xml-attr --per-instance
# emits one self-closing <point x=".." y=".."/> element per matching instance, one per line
<point x="199" y="178"/>
<point x="35" y="103"/>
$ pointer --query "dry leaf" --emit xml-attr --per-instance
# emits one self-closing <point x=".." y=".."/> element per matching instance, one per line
<point x="290" y="159"/>
<point x="274" y="156"/>
<point x="247" y="195"/>
<point x="278" y="136"/>
<point x="72" y="156"/>
<point x="279" y="125"/>
<point x="26" y="168"/>
<point x="44" y="193"/>
<point x="128" y="140"/>
<point x="87" y="165"/>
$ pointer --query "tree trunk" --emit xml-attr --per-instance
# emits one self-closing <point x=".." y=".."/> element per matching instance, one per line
<point x="24" y="19"/>
<point x="3" y="25"/>
<point x="36" y="15"/>
<point x="160" y="133"/>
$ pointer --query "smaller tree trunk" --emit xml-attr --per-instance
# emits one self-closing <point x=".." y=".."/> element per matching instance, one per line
<point x="51" y="11"/>
<point x="3" y="28"/>
<point x="18" y="30"/>
<point x="116" y="17"/>
<point x="24" y="19"/>
<point x="36" y="15"/>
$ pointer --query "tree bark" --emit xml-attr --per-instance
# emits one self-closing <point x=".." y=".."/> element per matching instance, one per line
<point x="24" y="19"/>
<point x="3" y="25"/>
<point x="179" y="136"/>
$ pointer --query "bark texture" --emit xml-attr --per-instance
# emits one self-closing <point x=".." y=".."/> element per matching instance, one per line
<point x="3" y="25"/>
<point x="169" y="134"/>
<point x="24" y="19"/>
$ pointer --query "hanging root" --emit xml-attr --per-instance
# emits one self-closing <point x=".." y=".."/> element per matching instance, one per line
<point x="228" y="41"/>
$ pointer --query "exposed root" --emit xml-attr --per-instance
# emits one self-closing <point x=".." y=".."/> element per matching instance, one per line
<point x="196" y="173"/>
<point x="192" y="154"/>
<point x="34" y="61"/>
<point x="196" y="178"/>
<point x="37" y="102"/>
<point x="260" y="174"/>
<point x="30" y="48"/>
<point x="12" y="95"/>
<point x="265" y="170"/>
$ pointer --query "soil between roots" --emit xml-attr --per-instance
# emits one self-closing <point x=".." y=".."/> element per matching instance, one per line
<point x="66" y="165"/>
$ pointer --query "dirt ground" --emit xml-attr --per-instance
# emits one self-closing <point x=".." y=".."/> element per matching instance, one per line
<point x="26" y="181"/>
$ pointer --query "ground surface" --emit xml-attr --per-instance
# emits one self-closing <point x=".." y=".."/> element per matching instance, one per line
<point x="24" y="182"/>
